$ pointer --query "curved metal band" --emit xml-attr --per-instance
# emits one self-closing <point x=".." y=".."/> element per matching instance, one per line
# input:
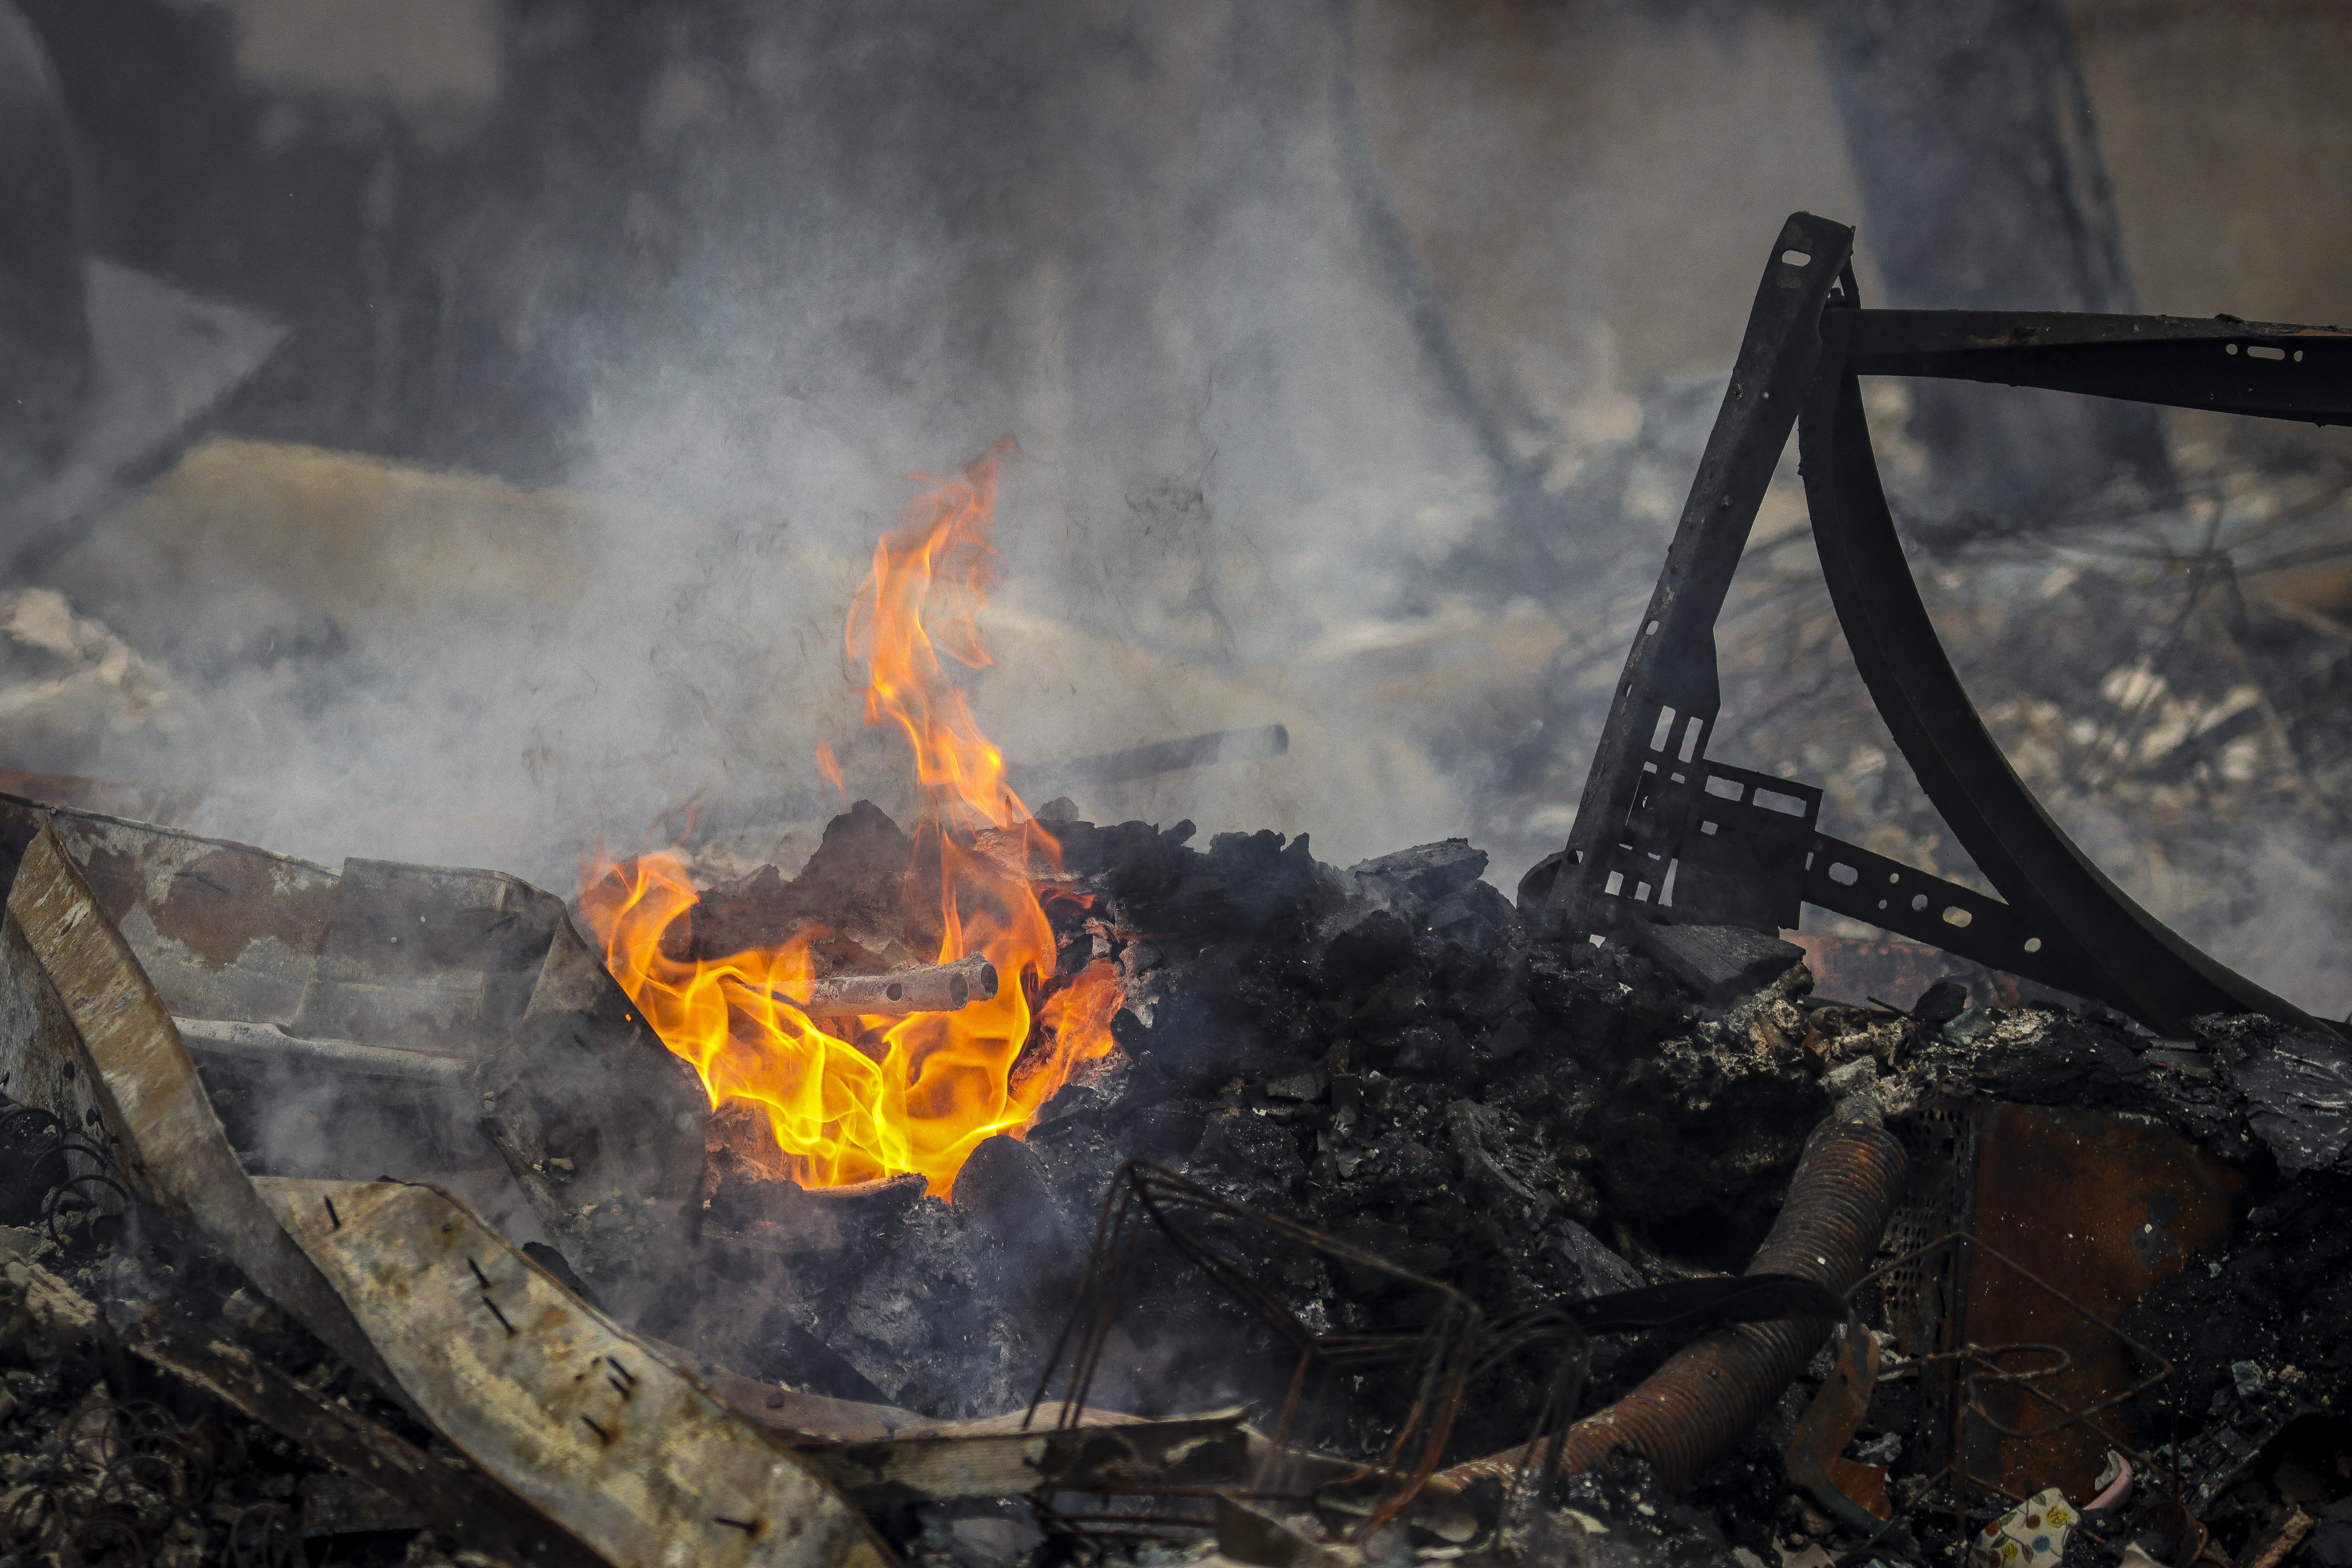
<point x="2125" y="955"/>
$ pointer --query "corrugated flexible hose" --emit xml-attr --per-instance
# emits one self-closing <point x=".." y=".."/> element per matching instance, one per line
<point x="1685" y="1415"/>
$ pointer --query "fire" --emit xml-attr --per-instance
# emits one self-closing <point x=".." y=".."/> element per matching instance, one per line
<point x="917" y="1093"/>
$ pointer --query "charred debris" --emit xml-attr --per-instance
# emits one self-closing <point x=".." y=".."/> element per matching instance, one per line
<point x="357" y="1215"/>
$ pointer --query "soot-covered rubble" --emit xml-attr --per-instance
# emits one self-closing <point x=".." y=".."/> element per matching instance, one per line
<point x="1392" y="1056"/>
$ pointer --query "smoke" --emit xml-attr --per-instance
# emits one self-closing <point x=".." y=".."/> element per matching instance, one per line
<point x="1359" y="357"/>
<point x="831" y="249"/>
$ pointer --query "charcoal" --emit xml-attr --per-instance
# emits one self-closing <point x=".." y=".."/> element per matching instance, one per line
<point x="1307" y="1084"/>
<point x="1006" y="1193"/>
<point x="1601" y="1270"/>
<point x="1940" y="1003"/>
<point x="1168" y="1132"/>
<point x="1260" y="1158"/>
<point x="1413" y="882"/>
<point x="1376" y="946"/>
<point x="1717" y="963"/>
<point x="2298" y="1088"/>
<point x="855" y="887"/>
<point x="786" y="1348"/>
<point x="1430" y="1049"/>
<point x="1697" y="1137"/>
<point x="834" y="1229"/>
<point x="1503" y="1163"/>
<point x="2043" y="1056"/>
<point x="2330" y="1545"/>
<point x="924" y="1324"/>
<point x="1468" y="931"/>
<point x="2276" y="1293"/>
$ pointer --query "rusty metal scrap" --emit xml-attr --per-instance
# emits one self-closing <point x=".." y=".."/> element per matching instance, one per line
<point x="553" y="1400"/>
<point x="1852" y="1493"/>
<point x="2074" y="1215"/>
<point x="1688" y="1411"/>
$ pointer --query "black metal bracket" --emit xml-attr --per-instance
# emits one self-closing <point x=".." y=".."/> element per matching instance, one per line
<point x="1663" y="834"/>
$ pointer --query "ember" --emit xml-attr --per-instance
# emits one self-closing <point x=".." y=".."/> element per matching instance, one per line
<point x="920" y="1092"/>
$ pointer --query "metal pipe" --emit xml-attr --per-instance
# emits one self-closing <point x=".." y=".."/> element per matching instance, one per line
<point x="929" y="988"/>
<point x="1683" y="1416"/>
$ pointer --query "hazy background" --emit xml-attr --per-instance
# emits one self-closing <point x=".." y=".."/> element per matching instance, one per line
<point x="1358" y="356"/>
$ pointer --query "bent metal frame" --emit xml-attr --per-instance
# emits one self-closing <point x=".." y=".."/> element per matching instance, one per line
<point x="1739" y="847"/>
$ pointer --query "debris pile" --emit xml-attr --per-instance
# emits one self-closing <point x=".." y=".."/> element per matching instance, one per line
<point x="1263" y="1211"/>
<point x="1371" y="1122"/>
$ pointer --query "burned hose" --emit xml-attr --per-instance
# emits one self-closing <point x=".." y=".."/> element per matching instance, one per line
<point x="1688" y="1412"/>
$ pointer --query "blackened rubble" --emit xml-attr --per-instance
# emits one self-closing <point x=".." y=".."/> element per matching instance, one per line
<point x="1386" y="1054"/>
<point x="1379" y="1052"/>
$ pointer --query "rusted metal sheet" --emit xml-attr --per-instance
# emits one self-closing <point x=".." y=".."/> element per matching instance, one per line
<point x="1854" y="1494"/>
<point x="2099" y="1206"/>
<point x="556" y="1402"/>
<point x="222" y="930"/>
<point x="88" y="1033"/>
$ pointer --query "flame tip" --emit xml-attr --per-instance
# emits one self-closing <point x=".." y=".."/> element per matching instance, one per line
<point x="919" y="1093"/>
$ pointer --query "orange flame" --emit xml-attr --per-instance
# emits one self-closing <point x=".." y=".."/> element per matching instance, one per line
<point x="917" y="1093"/>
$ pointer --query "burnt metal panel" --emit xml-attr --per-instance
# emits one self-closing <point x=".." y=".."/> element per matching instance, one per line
<point x="2081" y="932"/>
<point x="2074" y="1215"/>
<point x="2059" y="921"/>
<point x="425" y="953"/>
<point x="222" y="930"/>
<point x="2223" y="365"/>
<point x="544" y="1396"/>
<point x="1743" y="855"/>
<point x="105" y="1032"/>
<point x="1630" y="825"/>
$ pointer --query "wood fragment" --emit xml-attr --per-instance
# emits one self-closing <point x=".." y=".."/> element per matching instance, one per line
<point x="554" y="1401"/>
<point x="2282" y="1540"/>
